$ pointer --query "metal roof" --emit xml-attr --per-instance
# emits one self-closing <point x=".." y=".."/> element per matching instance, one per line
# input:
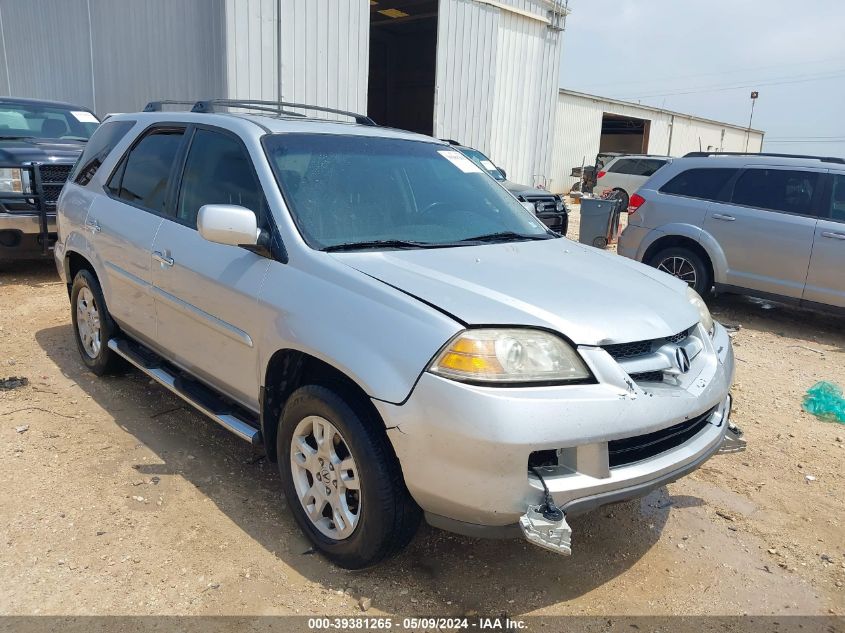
<point x="631" y="104"/>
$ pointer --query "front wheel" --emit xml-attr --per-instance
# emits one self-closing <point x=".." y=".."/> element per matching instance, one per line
<point x="341" y="478"/>
<point x="686" y="265"/>
<point x="92" y="324"/>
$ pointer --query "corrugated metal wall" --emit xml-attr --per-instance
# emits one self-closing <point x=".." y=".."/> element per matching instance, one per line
<point x="497" y="74"/>
<point x="578" y="132"/>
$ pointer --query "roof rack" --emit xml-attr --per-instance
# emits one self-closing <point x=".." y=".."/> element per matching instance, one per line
<point x="275" y="107"/>
<point x="824" y="159"/>
<point x="451" y="141"/>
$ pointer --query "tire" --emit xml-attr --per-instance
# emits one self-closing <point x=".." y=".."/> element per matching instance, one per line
<point x="686" y="265"/>
<point x="92" y="325"/>
<point x="624" y="197"/>
<point x="377" y="519"/>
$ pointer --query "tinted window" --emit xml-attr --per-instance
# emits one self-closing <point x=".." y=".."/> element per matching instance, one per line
<point x="98" y="148"/>
<point x="777" y="189"/>
<point x="144" y="174"/>
<point x="218" y="171"/>
<point x="699" y="183"/>
<point x="353" y="189"/>
<point x="624" y="166"/>
<point x="647" y="166"/>
<point x="837" y="205"/>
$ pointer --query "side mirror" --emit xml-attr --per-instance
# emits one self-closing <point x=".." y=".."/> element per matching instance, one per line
<point x="228" y="224"/>
<point x="529" y="206"/>
<point x="503" y="172"/>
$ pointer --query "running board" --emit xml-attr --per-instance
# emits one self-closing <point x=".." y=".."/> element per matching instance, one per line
<point x="195" y="394"/>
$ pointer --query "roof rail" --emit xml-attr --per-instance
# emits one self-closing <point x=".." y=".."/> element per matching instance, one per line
<point x="824" y="159"/>
<point x="451" y="141"/>
<point x="156" y="106"/>
<point x="210" y="105"/>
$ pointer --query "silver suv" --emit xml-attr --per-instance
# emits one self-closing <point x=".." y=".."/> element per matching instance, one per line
<point x="770" y="225"/>
<point x="390" y="325"/>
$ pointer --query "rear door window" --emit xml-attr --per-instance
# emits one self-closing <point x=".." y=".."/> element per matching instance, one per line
<point x="837" y="203"/>
<point x="784" y="190"/>
<point x="647" y="166"/>
<point x="704" y="183"/>
<point x="144" y="174"/>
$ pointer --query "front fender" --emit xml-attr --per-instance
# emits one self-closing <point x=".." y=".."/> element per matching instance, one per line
<point x="378" y="336"/>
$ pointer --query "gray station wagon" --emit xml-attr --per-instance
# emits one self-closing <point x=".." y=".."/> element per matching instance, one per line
<point x="769" y="225"/>
<point x="393" y="328"/>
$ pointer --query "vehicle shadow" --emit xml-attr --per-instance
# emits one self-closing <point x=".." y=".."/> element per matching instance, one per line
<point x="33" y="274"/>
<point x="458" y="574"/>
<point x="782" y="319"/>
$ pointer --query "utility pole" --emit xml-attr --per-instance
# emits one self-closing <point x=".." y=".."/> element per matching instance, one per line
<point x="754" y="96"/>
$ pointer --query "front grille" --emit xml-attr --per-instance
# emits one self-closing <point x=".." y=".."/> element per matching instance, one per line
<point x="622" y="351"/>
<point x="635" y="449"/>
<point x="53" y="178"/>
<point x="543" y="204"/>
<point x="648" y="376"/>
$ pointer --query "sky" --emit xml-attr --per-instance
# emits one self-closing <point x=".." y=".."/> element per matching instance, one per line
<point x="704" y="57"/>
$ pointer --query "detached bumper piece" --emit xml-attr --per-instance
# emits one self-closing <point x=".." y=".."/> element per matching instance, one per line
<point x="552" y="535"/>
<point x="734" y="441"/>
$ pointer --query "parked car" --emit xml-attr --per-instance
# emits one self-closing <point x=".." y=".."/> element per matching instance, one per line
<point x="625" y="174"/>
<point x="550" y="207"/>
<point x="39" y="143"/>
<point x="387" y="323"/>
<point x="768" y="225"/>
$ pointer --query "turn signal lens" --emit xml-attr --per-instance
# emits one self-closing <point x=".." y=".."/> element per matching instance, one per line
<point x="509" y="355"/>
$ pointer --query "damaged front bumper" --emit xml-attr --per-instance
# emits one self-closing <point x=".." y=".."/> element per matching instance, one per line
<point x="467" y="452"/>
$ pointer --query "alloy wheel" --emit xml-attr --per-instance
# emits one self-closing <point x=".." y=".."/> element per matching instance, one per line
<point x="681" y="268"/>
<point x="325" y="477"/>
<point x="88" y="322"/>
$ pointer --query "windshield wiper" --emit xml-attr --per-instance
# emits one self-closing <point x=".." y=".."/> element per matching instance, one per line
<point x="356" y="246"/>
<point x="508" y="236"/>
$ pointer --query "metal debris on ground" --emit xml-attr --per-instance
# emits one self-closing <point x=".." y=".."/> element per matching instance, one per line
<point x="825" y="401"/>
<point x="22" y="429"/>
<point x="13" y="382"/>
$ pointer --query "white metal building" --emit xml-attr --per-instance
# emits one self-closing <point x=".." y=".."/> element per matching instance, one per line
<point x="484" y="72"/>
<point x="587" y="125"/>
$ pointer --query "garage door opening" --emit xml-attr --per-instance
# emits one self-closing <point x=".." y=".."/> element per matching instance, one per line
<point x="403" y="53"/>
<point x="624" y="134"/>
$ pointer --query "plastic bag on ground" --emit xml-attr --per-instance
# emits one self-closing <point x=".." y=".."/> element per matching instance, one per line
<point x="825" y="401"/>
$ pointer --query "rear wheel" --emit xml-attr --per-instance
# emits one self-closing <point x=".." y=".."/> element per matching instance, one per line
<point x="92" y="325"/>
<point x="341" y="478"/>
<point x="686" y="265"/>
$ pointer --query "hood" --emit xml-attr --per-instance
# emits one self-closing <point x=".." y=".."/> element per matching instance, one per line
<point x="17" y="151"/>
<point x="590" y="296"/>
<point x="524" y="190"/>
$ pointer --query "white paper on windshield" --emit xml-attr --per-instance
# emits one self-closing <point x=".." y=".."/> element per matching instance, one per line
<point x="84" y="117"/>
<point x="460" y="161"/>
<point x="488" y="165"/>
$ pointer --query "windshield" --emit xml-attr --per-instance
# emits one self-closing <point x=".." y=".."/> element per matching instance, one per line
<point x="482" y="161"/>
<point x="344" y="190"/>
<point x="19" y="120"/>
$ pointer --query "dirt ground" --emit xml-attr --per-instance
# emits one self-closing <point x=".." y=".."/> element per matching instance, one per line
<point x="116" y="499"/>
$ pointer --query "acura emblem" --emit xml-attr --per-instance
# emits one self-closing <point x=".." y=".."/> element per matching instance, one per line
<point x="682" y="359"/>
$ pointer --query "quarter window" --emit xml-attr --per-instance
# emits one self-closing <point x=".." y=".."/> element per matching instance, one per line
<point x="218" y="171"/>
<point x="706" y="184"/>
<point x="778" y="190"/>
<point x="98" y="148"/>
<point x="144" y="175"/>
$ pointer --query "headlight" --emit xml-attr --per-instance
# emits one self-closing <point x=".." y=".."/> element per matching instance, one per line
<point x="509" y="356"/>
<point x="559" y="204"/>
<point x="11" y="180"/>
<point x="703" y="311"/>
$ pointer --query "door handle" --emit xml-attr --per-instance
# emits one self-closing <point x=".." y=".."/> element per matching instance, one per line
<point x="722" y="216"/>
<point x="836" y="236"/>
<point x="163" y="259"/>
<point x="93" y="226"/>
